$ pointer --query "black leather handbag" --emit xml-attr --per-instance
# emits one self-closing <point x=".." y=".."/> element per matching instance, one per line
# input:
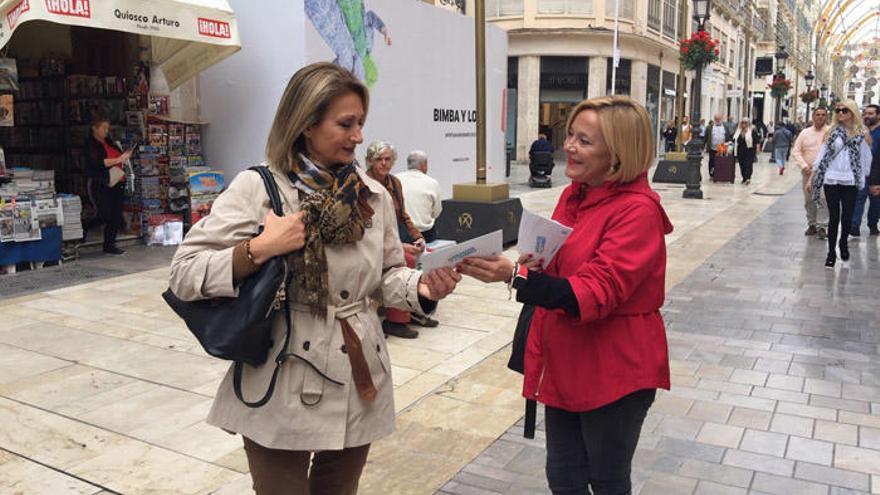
<point x="517" y="363"/>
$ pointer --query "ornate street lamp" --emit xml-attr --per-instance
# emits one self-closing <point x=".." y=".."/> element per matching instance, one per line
<point x="808" y="79"/>
<point x="781" y="57"/>
<point x="695" y="148"/>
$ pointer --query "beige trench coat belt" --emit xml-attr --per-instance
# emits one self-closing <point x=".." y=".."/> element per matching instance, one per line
<point x="313" y="383"/>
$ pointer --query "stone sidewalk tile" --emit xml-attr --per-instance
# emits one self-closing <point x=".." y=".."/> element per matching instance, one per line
<point x="780" y="395"/>
<point x="832" y="476"/>
<point x="857" y="406"/>
<point x="749" y="377"/>
<point x="814" y="451"/>
<point x="710" y="411"/>
<point x="678" y="427"/>
<point x="750" y="418"/>
<point x="836" y="432"/>
<point x="783" y="485"/>
<point x="857" y="459"/>
<point x="668" y="484"/>
<point x="718" y="473"/>
<point x="762" y="442"/>
<point x="758" y="462"/>
<point x="792" y="425"/>
<point x="710" y="488"/>
<point x="822" y="387"/>
<point x="869" y="437"/>
<point x="806" y="411"/>
<point x="720" y="435"/>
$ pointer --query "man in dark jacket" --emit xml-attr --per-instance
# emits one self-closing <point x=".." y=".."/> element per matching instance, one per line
<point x="541" y="144"/>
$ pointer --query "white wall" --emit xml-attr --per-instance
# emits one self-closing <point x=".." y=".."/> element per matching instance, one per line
<point x="239" y="95"/>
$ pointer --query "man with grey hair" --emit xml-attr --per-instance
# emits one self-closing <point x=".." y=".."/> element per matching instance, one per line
<point x="421" y="198"/>
<point x="421" y="194"/>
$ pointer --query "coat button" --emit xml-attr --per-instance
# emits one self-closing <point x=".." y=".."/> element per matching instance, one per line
<point x="344" y="294"/>
<point x="343" y="349"/>
<point x="306" y="345"/>
<point x="378" y="349"/>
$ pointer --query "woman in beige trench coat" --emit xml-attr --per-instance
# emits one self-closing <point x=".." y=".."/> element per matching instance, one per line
<point x="340" y="234"/>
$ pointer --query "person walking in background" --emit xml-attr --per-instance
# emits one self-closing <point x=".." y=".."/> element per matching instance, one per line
<point x="669" y="135"/>
<point x="782" y="139"/>
<point x="730" y="125"/>
<point x="805" y="151"/>
<point x="100" y="155"/>
<point x="596" y="351"/>
<point x="840" y="170"/>
<point x="747" y="143"/>
<point x="872" y="122"/>
<point x="380" y="160"/>
<point x="716" y="135"/>
<point x="686" y="131"/>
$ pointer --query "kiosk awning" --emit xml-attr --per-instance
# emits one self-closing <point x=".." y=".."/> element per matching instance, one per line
<point x="188" y="36"/>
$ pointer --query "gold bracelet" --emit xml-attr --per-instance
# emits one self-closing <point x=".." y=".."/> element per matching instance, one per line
<point x="247" y="251"/>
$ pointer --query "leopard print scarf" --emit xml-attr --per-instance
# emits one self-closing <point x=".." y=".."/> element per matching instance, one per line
<point x="851" y="145"/>
<point x="335" y="212"/>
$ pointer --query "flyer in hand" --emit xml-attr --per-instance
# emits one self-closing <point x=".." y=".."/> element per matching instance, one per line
<point x="540" y="237"/>
<point x="448" y="257"/>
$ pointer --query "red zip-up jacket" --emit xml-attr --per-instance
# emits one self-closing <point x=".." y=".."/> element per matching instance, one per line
<point x="615" y="261"/>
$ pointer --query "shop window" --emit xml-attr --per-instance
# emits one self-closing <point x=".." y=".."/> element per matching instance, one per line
<point x="624" y="76"/>
<point x="627" y="9"/>
<point x="512" y="72"/>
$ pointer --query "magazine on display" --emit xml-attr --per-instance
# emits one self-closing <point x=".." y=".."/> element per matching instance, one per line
<point x="6" y="221"/>
<point x="25" y="226"/>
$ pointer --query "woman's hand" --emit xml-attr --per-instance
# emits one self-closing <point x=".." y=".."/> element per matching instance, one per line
<point x="490" y="269"/>
<point x="438" y="284"/>
<point x="420" y="243"/>
<point x="281" y="235"/>
<point x="411" y="249"/>
<point x="809" y="187"/>
<point x="532" y="263"/>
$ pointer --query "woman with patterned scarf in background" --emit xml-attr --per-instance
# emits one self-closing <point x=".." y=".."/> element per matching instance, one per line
<point x="840" y="170"/>
<point x="340" y="233"/>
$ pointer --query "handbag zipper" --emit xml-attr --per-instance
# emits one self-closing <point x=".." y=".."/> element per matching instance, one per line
<point x="280" y="294"/>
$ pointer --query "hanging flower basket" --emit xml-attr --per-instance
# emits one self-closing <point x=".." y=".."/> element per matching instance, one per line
<point x="698" y="50"/>
<point x="810" y="96"/>
<point x="779" y="87"/>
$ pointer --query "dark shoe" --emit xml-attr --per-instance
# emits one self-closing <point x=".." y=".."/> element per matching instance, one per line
<point x="399" y="330"/>
<point x="781" y="171"/>
<point x="844" y="251"/>
<point x="113" y="250"/>
<point x="874" y="230"/>
<point x="811" y="230"/>
<point x="821" y="233"/>
<point x="747" y="182"/>
<point x="424" y="321"/>
<point x="854" y="231"/>
<point x="830" y="260"/>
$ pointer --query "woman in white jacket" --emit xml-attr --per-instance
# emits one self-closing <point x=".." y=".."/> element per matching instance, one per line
<point x="843" y="163"/>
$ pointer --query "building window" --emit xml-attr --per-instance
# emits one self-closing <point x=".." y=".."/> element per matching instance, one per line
<point x="723" y="50"/>
<point x="654" y="14"/>
<point x="670" y="17"/>
<point x="502" y="8"/>
<point x="627" y="9"/>
<point x="565" y="6"/>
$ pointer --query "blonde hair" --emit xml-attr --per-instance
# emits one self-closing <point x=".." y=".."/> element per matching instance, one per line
<point x="376" y="148"/>
<point x="304" y="104"/>
<point x="626" y="127"/>
<point x="858" y="123"/>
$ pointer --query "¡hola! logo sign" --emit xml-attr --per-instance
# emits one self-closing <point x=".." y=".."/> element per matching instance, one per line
<point x="16" y="12"/>
<point x="75" y="8"/>
<point x="215" y="29"/>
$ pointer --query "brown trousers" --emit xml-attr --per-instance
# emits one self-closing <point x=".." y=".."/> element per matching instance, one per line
<point x="286" y="472"/>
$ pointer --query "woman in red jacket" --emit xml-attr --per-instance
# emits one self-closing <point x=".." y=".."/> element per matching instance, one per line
<point x="596" y="351"/>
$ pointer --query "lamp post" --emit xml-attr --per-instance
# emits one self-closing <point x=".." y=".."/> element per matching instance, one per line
<point x="781" y="56"/>
<point x="823" y="94"/>
<point x="808" y="79"/>
<point x="695" y="148"/>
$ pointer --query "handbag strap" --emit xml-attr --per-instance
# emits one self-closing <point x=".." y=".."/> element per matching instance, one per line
<point x="283" y="355"/>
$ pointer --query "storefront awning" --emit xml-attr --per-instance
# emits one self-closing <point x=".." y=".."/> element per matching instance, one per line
<point x="188" y="36"/>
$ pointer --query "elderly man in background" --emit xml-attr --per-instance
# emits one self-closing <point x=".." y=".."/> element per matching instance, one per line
<point x="422" y="200"/>
<point x="423" y="205"/>
<point x="716" y="134"/>
<point x="805" y="150"/>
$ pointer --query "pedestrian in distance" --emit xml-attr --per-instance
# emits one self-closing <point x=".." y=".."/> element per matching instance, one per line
<point x="596" y="351"/>
<point x="872" y="122"/>
<point x="840" y="171"/>
<point x="782" y="140"/>
<point x="670" y="133"/>
<point x="747" y="144"/>
<point x="805" y="151"/>
<point x="339" y="232"/>
<point x="686" y="130"/>
<point x="716" y="135"/>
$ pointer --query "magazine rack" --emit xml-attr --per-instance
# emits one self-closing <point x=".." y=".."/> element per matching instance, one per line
<point x="45" y="250"/>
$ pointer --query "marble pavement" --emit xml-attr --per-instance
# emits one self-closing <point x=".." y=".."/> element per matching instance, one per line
<point x="102" y="389"/>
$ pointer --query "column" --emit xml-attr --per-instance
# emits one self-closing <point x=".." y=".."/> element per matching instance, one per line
<point x="639" y="84"/>
<point x="528" y="104"/>
<point x="598" y="77"/>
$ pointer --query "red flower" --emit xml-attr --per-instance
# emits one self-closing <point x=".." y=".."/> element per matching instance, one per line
<point x="684" y="49"/>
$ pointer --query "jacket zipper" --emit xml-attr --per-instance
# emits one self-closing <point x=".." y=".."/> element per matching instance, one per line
<point x="540" y="382"/>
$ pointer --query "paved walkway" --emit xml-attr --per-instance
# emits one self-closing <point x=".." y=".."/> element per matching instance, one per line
<point x="103" y="389"/>
<point x="776" y="377"/>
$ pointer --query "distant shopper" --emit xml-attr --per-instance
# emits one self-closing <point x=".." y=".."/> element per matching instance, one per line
<point x="716" y="135"/>
<point x="422" y="200"/>
<point x="805" y="151"/>
<point x="380" y="160"/>
<point x="763" y="132"/>
<point x="541" y="145"/>
<point x="730" y="125"/>
<point x="782" y="139"/>
<point x="669" y="135"/>
<point x="686" y="130"/>
<point x="872" y="122"/>
<point x="596" y="352"/>
<point x="100" y="156"/>
<point x="747" y="142"/>
<point x="840" y="170"/>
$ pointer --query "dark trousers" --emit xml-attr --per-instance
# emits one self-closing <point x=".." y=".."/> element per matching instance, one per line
<point x="841" y="203"/>
<point x="712" y="154"/>
<point x="746" y="166"/>
<point x="873" y="208"/>
<point x="281" y="472"/>
<point x="670" y="146"/>
<point x="108" y="201"/>
<point x="430" y="235"/>
<point x="595" y="448"/>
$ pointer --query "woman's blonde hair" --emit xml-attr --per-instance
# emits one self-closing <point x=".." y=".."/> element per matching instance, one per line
<point x="304" y="103"/>
<point x="626" y="127"/>
<point x="376" y="148"/>
<point x="858" y="123"/>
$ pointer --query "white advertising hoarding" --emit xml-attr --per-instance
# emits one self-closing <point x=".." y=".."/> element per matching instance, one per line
<point x="418" y="61"/>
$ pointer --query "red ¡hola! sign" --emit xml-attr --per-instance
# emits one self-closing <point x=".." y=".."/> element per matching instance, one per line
<point x="16" y="12"/>
<point x="216" y="29"/>
<point x="75" y="8"/>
